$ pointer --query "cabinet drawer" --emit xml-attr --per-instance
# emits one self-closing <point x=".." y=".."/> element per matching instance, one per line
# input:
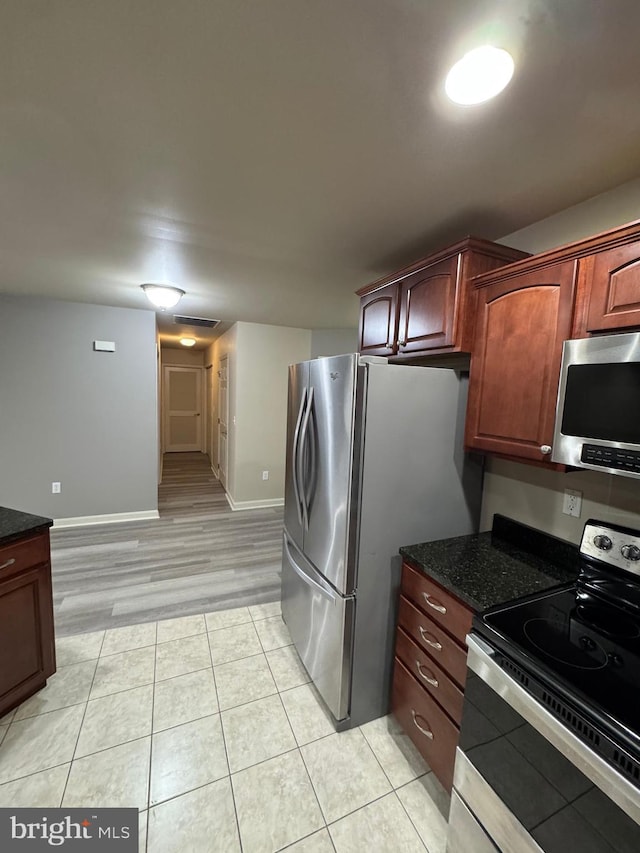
<point x="436" y="602"/>
<point x="22" y="555"/>
<point x="438" y="645"/>
<point x="434" y="679"/>
<point x="433" y="733"/>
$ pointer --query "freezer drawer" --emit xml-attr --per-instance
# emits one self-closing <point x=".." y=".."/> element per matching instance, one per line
<point x="320" y="622"/>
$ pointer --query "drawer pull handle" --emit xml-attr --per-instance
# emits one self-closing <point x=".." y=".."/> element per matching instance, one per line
<point x="434" y="604"/>
<point x="8" y="563"/>
<point x="430" y="639"/>
<point x="425" y="732"/>
<point x="422" y="672"/>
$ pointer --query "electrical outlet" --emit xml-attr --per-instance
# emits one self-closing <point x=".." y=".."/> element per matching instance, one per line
<point x="572" y="503"/>
<point x="55" y="488"/>
<point x="265" y="475"/>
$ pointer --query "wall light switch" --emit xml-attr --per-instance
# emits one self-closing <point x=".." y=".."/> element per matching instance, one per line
<point x="104" y="346"/>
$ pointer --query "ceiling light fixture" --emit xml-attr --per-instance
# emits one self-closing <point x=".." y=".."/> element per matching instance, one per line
<point x="479" y="75"/>
<point x="162" y="295"/>
<point x="188" y="342"/>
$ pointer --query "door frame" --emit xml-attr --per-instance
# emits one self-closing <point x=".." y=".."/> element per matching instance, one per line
<point x="226" y="360"/>
<point x="165" y="402"/>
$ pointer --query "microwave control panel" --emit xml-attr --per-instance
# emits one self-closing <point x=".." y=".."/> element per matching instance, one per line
<point x="611" y="457"/>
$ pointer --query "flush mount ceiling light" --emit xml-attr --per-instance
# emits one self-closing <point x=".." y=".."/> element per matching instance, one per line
<point x="479" y="75"/>
<point x="188" y="342"/>
<point x="162" y="295"/>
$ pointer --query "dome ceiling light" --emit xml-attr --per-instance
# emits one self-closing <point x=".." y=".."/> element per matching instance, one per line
<point x="162" y="295"/>
<point x="188" y="342"/>
<point x="479" y="75"/>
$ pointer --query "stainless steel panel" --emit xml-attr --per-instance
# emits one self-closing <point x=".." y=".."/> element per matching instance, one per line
<point x="328" y="445"/>
<point x="499" y="823"/>
<point x="601" y="349"/>
<point x="320" y="622"/>
<point x="465" y="833"/>
<point x="602" y="774"/>
<point x="293" y="519"/>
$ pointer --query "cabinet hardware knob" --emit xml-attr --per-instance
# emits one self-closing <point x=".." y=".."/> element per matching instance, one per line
<point x="401" y="343"/>
<point x="434" y="604"/>
<point x="428" y="678"/>
<point x="428" y="638"/>
<point x="426" y="732"/>
<point x="8" y="563"/>
<point x="546" y="449"/>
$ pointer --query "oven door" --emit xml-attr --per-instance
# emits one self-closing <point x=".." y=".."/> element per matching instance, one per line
<point x="524" y="783"/>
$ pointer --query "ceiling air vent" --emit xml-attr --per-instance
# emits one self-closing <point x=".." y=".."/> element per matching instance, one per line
<point x="202" y="322"/>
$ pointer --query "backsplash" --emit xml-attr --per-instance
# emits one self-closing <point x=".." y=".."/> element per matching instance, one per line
<point x="534" y="496"/>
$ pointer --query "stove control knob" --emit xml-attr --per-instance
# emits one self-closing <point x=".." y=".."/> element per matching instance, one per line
<point x="630" y="552"/>
<point x="615" y="659"/>
<point x="602" y="542"/>
<point x="587" y="644"/>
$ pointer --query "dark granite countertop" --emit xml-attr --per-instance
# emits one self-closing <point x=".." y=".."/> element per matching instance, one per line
<point x="486" y="569"/>
<point x="15" y="524"/>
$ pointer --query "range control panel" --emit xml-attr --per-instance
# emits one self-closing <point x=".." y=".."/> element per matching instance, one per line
<point x="610" y="543"/>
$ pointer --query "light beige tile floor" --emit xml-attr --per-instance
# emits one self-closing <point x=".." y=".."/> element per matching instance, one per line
<point x="210" y="727"/>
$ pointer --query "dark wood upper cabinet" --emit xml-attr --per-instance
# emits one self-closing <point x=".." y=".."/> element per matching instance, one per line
<point x="612" y="282"/>
<point x="523" y="318"/>
<point x="379" y="321"/>
<point x="427" y="308"/>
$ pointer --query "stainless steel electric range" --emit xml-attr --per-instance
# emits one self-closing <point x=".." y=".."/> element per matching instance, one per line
<point x="549" y="755"/>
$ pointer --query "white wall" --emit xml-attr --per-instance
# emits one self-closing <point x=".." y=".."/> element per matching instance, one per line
<point x="259" y="357"/>
<point x="534" y="495"/>
<point x="333" y="342"/>
<point x="85" y="419"/>
<point x="183" y="356"/>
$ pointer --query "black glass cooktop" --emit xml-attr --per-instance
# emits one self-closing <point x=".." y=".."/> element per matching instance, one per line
<point x="579" y="642"/>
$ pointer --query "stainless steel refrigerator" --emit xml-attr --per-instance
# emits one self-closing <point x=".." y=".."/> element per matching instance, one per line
<point x="374" y="461"/>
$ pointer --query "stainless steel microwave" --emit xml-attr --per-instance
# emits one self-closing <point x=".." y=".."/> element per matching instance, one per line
<point x="598" y="409"/>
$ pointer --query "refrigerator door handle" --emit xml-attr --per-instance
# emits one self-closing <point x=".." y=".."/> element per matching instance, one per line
<point x="303" y="444"/>
<point x="296" y="457"/>
<point x="322" y="588"/>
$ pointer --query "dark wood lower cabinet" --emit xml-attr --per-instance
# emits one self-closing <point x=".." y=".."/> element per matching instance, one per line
<point x="27" y="648"/>
<point x="431" y="730"/>
<point x="432" y="678"/>
<point x="430" y="669"/>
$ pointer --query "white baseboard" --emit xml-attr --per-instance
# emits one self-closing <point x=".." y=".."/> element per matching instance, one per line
<point x="237" y="506"/>
<point x="109" y="518"/>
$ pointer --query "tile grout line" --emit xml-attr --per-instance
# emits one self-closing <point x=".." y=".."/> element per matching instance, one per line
<point x="224" y="743"/>
<point x="304" y="763"/>
<point x="153" y="708"/>
<point x="406" y="811"/>
<point x="394" y="790"/>
<point x="73" y="754"/>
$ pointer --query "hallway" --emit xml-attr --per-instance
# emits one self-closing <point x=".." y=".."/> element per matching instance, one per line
<point x="199" y="556"/>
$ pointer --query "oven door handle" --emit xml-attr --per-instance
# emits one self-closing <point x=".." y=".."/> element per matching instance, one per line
<point x="481" y="660"/>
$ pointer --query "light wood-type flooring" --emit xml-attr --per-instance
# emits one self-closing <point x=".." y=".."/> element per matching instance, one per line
<point x="198" y="557"/>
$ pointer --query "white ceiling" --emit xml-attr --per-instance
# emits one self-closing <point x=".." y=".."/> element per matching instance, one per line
<point x="270" y="157"/>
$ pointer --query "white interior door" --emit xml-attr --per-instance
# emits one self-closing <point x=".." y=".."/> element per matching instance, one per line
<point x="183" y="409"/>
<point x="223" y="418"/>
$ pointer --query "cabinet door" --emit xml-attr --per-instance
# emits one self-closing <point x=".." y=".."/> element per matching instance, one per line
<point x="614" y="289"/>
<point x="522" y="323"/>
<point x="428" y="302"/>
<point x="379" y="321"/>
<point x="27" y="655"/>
